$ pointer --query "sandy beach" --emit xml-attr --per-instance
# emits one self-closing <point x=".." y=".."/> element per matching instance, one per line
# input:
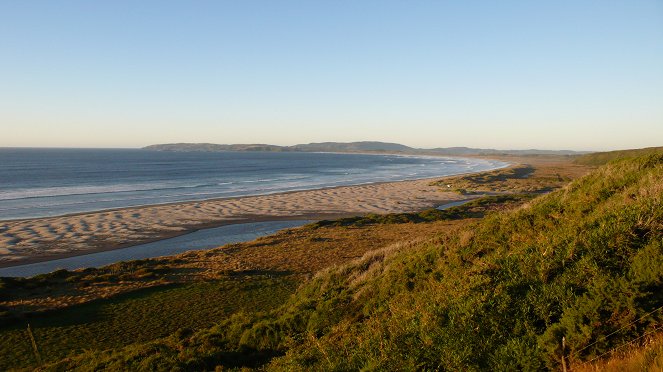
<point x="41" y="239"/>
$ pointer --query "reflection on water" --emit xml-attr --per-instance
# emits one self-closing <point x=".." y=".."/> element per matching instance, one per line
<point x="453" y="204"/>
<point x="201" y="239"/>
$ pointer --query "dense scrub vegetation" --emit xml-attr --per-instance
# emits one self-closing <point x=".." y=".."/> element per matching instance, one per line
<point x="584" y="263"/>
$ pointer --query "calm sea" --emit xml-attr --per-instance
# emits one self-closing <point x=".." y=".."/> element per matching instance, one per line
<point x="49" y="182"/>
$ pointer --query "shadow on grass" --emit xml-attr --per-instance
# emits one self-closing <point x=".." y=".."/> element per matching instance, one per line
<point x="94" y="311"/>
<point x="142" y="315"/>
<point x="86" y="313"/>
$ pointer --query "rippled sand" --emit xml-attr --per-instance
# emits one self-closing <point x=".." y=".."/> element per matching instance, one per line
<point x="40" y="239"/>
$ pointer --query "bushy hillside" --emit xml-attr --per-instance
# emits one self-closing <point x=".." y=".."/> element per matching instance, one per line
<point x="584" y="263"/>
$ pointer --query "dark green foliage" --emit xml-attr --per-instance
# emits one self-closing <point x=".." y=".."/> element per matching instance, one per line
<point x="472" y="209"/>
<point x="584" y="263"/>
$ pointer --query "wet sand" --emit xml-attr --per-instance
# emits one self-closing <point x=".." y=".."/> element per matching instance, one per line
<point x="42" y="239"/>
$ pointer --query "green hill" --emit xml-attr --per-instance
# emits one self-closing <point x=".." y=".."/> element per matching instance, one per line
<point x="584" y="263"/>
<point x="352" y="147"/>
<point x="600" y="158"/>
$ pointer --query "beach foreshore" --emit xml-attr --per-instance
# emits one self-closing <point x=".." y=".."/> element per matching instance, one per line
<point x="42" y="239"/>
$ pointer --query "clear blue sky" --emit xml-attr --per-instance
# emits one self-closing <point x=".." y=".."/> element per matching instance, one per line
<point x="499" y="74"/>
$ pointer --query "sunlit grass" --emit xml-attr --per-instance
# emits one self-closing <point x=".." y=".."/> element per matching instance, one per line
<point x="584" y="263"/>
<point x="139" y="317"/>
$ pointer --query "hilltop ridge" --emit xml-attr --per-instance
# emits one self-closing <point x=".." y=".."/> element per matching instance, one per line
<point x="360" y="146"/>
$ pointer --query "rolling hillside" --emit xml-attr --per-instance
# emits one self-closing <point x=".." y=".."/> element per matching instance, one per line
<point x="584" y="263"/>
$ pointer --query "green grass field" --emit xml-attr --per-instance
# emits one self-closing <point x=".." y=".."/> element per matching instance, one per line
<point x="138" y="316"/>
<point x="601" y="158"/>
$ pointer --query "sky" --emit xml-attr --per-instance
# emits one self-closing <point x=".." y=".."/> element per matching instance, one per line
<point x="580" y="75"/>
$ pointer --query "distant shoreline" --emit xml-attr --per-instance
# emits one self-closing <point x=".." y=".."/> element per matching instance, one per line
<point x="360" y="147"/>
<point x="108" y="210"/>
<point x="177" y="203"/>
<point x="90" y="232"/>
<point x="88" y="190"/>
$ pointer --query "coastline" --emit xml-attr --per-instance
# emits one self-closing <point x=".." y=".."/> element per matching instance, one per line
<point x="25" y="241"/>
<point x="165" y="236"/>
<point x="505" y="164"/>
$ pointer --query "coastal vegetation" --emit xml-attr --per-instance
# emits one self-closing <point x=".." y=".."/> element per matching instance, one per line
<point x="117" y="299"/>
<point x="521" y="178"/>
<point x="139" y="316"/>
<point x="646" y="354"/>
<point x="600" y="158"/>
<point x="496" y="284"/>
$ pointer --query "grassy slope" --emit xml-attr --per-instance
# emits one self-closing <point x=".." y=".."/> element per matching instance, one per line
<point x="530" y="175"/>
<point x="646" y="356"/>
<point x="154" y="298"/>
<point x="138" y="316"/>
<point x="600" y="158"/>
<point x="582" y="262"/>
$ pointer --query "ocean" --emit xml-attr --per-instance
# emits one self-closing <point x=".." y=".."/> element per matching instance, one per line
<point x="51" y="182"/>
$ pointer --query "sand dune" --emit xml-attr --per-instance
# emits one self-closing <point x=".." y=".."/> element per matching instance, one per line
<point x="24" y="241"/>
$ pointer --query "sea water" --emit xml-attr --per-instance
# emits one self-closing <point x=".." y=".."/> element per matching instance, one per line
<point x="51" y="182"/>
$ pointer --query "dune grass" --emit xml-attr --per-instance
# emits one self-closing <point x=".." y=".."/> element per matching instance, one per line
<point x="644" y="355"/>
<point x="302" y="251"/>
<point x="532" y="176"/>
<point x="332" y="241"/>
<point x="584" y="263"/>
<point x="601" y="158"/>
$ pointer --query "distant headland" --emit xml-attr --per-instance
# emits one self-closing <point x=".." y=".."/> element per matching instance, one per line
<point x="362" y="146"/>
